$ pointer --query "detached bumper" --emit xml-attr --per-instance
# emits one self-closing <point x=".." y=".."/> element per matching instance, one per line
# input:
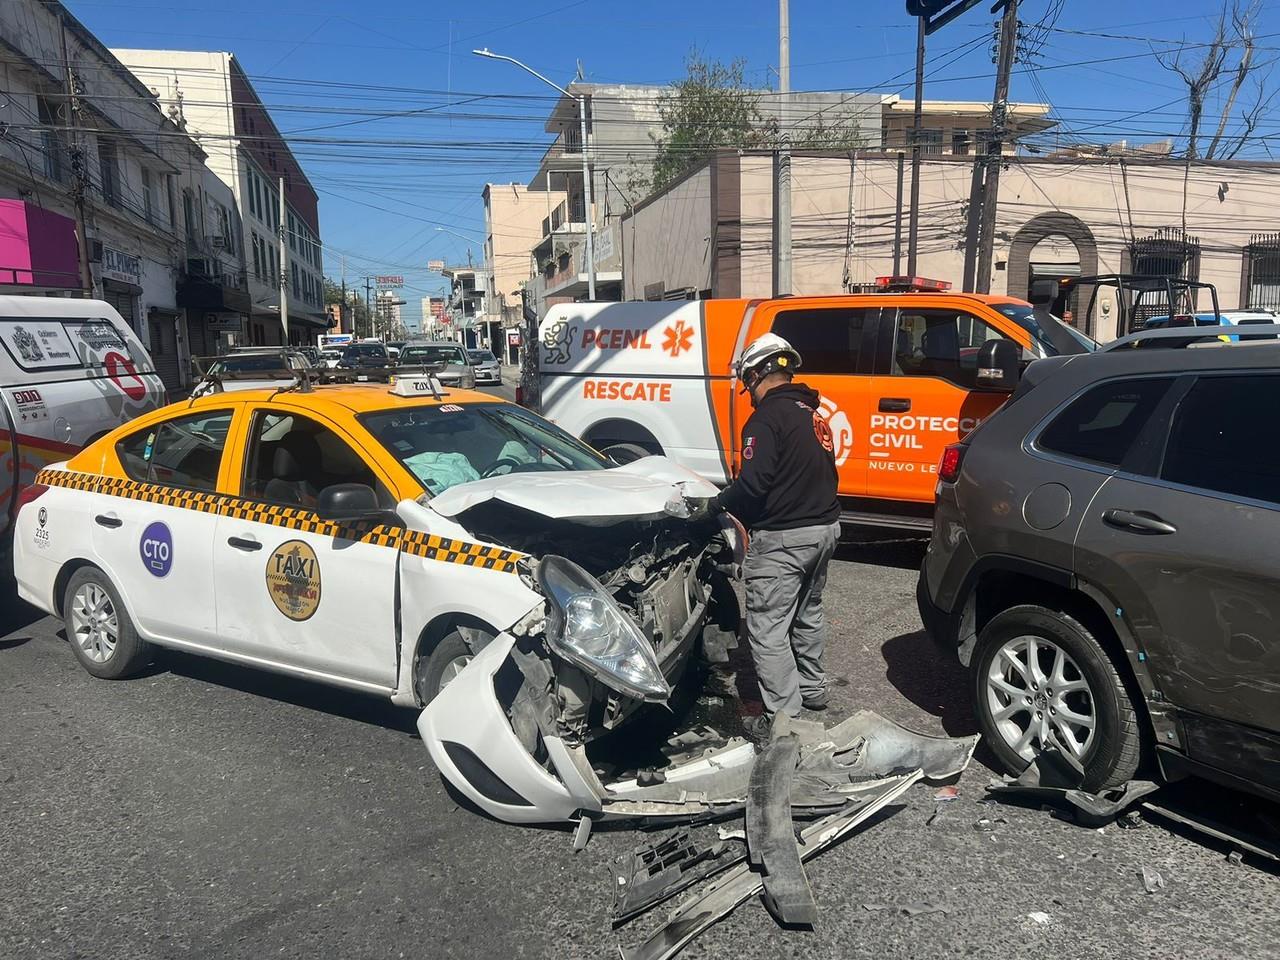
<point x="471" y="742"/>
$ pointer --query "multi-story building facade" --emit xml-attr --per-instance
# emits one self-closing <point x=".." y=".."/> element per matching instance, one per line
<point x="210" y="93"/>
<point x="433" y="318"/>
<point x="956" y="127"/>
<point x="467" y="310"/>
<point x="78" y="122"/>
<point x="513" y="222"/>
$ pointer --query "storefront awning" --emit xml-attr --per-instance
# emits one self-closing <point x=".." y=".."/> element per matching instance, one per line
<point x="37" y="247"/>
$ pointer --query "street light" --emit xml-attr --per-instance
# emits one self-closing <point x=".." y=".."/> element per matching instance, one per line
<point x="586" y="165"/>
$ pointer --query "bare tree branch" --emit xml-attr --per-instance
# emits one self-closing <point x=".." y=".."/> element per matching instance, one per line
<point x="1242" y="24"/>
<point x="1199" y="79"/>
<point x="1252" y="117"/>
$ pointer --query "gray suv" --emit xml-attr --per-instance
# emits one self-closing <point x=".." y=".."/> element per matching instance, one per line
<point x="1106" y="560"/>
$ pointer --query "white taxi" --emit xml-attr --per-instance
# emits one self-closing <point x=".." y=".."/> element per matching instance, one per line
<point x="379" y="537"/>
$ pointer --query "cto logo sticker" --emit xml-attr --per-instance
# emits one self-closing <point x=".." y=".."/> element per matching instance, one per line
<point x="841" y="430"/>
<point x="293" y="579"/>
<point x="156" y="549"/>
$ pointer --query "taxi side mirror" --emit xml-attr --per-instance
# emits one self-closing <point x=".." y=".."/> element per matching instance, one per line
<point x="999" y="365"/>
<point x="352" y="501"/>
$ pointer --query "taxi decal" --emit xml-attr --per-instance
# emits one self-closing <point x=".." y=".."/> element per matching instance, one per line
<point x="293" y="579"/>
<point x="427" y="546"/>
<point x="41" y="536"/>
<point x="156" y="549"/>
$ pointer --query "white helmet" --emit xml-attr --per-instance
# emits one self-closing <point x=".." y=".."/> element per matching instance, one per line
<point x="766" y="354"/>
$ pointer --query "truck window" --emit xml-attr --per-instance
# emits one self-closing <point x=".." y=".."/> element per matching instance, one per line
<point x="939" y="343"/>
<point x="829" y="339"/>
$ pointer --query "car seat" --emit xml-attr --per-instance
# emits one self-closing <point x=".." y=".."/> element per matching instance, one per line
<point x="295" y="470"/>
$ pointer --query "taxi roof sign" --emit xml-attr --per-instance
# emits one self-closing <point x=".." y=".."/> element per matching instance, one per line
<point x="416" y="385"/>
<point x="912" y="285"/>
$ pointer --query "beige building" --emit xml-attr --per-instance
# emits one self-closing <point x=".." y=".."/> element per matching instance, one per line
<point x="513" y="228"/>
<point x="952" y="127"/>
<point x="710" y="234"/>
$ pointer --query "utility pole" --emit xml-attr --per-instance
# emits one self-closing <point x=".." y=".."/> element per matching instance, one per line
<point x="79" y="176"/>
<point x="913" y="230"/>
<point x="368" y="302"/>
<point x="897" y="220"/>
<point x="995" y="150"/>
<point x="342" y="310"/>
<point x="782" y="160"/>
<point x="284" y="270"/>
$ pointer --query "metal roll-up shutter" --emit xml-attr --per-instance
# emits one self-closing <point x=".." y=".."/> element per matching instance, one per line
<point x="125" y="304"/>
<point x="201" y="342"/>
<point x="164" y="350"/>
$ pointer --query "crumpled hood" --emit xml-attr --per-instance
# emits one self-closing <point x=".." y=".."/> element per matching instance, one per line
<point x="638" y="489"/>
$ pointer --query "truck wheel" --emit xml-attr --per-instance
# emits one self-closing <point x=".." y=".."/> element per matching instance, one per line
<point x="102" y="636"/>
<point x="621" y="453"/>
<point x="1039" y="674"/>
<point x="434" y="672"/>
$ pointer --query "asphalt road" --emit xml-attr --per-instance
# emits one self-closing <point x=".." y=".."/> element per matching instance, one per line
<point x="205" y="810"/>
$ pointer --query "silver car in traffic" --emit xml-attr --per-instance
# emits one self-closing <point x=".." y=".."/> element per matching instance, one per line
<point x="455" y="368"/>
<point x="486" y="366"/>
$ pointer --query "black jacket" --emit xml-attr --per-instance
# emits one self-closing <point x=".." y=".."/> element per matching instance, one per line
<point x="788" y="476"/>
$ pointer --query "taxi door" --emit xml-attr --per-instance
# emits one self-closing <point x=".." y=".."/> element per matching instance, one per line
<point x="295" y="590"/>
<point x="834" y="340"/>
<point x="923" y="396"/>
<point x="149" y="531"/>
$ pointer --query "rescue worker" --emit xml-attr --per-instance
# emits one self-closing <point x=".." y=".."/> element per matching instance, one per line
<point x="785" y="495"/>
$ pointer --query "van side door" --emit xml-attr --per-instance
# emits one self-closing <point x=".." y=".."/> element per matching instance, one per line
<point x="922" y="397"/>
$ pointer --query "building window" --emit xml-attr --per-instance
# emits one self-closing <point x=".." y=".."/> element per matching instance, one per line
<point x="960" y="142"/>
<point x="294" y="277"/>
<point x="293" y="232"/>
<point x="189" y="213"/>
<point x="257" y="257"/>
<point x="55" y="166"/>
<point x="930" y="141"/>
<point x="173" y="208"/>
<point x="109" y="171"/>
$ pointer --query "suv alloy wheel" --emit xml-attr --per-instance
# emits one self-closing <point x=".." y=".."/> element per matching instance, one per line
<point x="1041" y="676"/>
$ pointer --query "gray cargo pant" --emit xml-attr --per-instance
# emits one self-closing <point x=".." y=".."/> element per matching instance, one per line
<point x="785" y="573"/>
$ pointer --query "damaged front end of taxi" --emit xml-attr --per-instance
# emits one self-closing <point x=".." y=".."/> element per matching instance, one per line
<point x="630" y="588"/>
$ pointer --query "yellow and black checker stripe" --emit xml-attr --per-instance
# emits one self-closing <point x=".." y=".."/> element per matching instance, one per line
<point x="427" y="546"/>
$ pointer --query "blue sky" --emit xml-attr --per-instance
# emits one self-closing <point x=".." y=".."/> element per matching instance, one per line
<point x="329" y="69"/>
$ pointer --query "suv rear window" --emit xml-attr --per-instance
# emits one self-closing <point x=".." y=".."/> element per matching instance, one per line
<point x="1225" y="437"/>
<point x="1101" y="425"/>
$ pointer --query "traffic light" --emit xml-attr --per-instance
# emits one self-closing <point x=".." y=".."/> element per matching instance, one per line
<point x="938" y="13"/>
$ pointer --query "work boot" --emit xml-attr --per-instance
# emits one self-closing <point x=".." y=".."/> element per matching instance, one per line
<point x="817" y="704"/>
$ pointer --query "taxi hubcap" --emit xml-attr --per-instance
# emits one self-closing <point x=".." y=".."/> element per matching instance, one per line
<point x="94" y="623"/>
<point x="452" y="669"/>
<point x="1036" y="695"/>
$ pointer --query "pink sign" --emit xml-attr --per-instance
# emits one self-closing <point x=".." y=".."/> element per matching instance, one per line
<point x="37" y="247"/>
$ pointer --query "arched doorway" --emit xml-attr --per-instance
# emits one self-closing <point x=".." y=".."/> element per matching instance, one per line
<point x="1054" y="246"/>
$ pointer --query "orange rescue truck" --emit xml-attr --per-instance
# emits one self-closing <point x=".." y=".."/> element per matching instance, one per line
<point x="897" y="370"/>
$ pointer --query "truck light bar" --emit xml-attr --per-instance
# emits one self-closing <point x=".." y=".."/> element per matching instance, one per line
<point x="912" y="285"/>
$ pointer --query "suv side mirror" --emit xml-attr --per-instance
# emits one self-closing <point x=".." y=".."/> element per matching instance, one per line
<point x="351" y="501"/>
<point x="999" y="365"/>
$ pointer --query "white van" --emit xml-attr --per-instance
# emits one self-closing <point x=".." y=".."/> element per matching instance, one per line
<point x="70" y="370"/>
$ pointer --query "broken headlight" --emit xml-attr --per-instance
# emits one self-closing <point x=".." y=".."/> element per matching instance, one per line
<point x="587" y="627"/>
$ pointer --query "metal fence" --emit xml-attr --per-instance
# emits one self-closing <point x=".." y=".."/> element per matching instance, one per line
<point x="1169" y="252"/>
<point x="1262" y="271"/>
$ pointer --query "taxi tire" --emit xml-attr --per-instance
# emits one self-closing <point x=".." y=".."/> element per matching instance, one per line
<point x="427" y="672"/>
<point x="131" y="654"/>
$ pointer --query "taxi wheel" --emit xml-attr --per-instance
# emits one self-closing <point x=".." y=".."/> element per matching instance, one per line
<point x="448" y="658"/>
<point x="99" y="629"/>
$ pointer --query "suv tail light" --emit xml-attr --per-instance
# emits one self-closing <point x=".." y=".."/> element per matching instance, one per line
<point x="949" y="466"/>
<point x="27" y="494"/>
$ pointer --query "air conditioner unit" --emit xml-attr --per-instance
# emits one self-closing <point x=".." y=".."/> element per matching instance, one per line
<point x="218" y="242"/>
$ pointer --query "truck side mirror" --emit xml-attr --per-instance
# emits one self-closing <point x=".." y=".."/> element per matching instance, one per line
<point x="999" y="365"/>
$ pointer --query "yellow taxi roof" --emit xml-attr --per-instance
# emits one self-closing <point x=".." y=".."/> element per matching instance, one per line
<point x="353" y="397"/>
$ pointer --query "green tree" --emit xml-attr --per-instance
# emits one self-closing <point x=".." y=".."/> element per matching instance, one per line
<point x="713" y="107"/>
<point x="355" y="305"/>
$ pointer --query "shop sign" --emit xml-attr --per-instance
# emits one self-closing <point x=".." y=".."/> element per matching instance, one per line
<point x="117" y="265"/>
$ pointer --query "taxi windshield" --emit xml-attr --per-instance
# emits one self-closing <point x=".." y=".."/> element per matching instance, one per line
<point x="1050" y="336"/>
<point x="443" y="446"/>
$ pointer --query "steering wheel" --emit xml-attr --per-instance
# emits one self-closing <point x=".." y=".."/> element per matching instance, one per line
<point x="491" y="469"/>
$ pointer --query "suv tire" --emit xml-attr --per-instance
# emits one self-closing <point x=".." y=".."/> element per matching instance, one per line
<point x="1008" y="702"/>
<point x="99" y="629"/>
